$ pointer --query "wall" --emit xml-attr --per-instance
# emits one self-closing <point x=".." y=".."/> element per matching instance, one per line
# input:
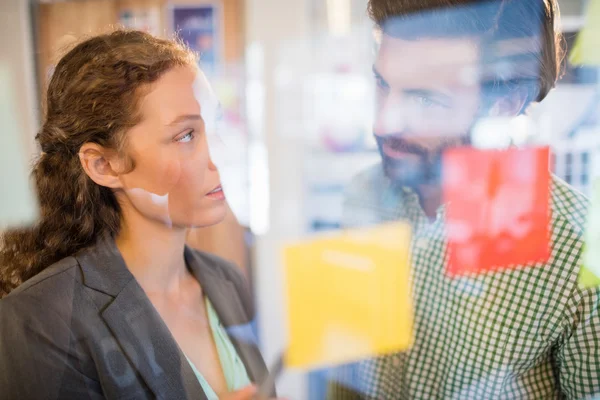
<point x="18" y="114"/>
<point x="17" y="53"/>
<point x="271" y="24"/>
<point x="571" y="7"/>
<point x="60" y="22"/>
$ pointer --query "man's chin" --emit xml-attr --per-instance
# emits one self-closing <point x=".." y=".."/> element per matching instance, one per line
<point x="410" y="176"/>
<point x="402" y="176"/>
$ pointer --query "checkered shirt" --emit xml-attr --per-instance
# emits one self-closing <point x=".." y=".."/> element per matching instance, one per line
<point x="524" y="333"/>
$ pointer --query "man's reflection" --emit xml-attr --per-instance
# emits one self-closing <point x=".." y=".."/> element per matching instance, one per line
<point x="524" y="332"/>
<point x="424" y="107"/>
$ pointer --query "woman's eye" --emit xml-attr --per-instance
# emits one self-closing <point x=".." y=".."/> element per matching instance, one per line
<point x="187" y="137"/>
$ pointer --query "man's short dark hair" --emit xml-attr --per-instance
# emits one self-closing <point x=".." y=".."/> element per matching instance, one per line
<point x="497" y="20"/>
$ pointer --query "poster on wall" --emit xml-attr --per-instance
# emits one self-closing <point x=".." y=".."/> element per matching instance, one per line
<point x="143" y="19"/>
<point x="199" y="26"/>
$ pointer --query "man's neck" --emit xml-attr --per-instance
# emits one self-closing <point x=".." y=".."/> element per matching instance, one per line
<point x="430" y="197"/>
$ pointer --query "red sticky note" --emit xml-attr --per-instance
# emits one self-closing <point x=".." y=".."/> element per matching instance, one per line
<point x="497" y="214"/>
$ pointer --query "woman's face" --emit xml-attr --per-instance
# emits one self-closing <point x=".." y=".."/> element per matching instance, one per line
<point x="174" y="180"/>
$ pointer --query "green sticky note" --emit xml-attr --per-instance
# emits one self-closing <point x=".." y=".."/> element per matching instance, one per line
<point x="590" y="271"/>
<point x="587" y="279"/>
<point x="18" y="205"/>
<point x="585" y="51"/>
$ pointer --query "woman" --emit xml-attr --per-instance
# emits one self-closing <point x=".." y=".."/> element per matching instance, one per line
<point x="113" y="304"/>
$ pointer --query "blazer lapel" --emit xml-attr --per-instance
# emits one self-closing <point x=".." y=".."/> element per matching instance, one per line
<point x="149" y="345"/>
<point x="227" y="303"/>
<point x="140" y="331"/>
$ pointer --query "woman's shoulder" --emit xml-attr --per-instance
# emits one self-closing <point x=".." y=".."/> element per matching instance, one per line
<point x="44" y="290"/>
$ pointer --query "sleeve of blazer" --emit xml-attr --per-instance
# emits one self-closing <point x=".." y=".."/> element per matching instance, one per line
<point x="37" y="358"/>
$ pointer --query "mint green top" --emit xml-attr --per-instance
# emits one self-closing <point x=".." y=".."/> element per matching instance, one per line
<point x="233" y="367"/>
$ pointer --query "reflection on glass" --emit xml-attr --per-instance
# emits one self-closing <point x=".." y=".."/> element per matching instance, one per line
<point x="497" y="242"/>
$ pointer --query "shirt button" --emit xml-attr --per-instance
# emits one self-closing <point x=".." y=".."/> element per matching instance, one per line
<point x="396" y="361"/>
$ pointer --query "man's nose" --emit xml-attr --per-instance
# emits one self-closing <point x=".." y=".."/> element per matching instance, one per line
<point x="215" y="149"/>
<point x="390" y="117"/>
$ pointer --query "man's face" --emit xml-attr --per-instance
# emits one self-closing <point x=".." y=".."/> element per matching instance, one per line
<point x="428" y="97"/>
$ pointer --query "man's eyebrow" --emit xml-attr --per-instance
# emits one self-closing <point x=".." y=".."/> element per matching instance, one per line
<point x="438" y="95"/>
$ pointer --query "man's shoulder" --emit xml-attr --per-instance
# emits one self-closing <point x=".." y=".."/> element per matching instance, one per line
<point x="370" y="199"/>
<point x="370" y="177"/>
<point x="367" y="186"/>
<point x="569" y="206"/>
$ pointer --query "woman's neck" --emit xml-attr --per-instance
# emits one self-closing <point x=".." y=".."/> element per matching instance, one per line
<point x="152" y="252"/>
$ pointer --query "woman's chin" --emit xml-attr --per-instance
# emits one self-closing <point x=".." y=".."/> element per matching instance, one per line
<point x="207" y="218"/>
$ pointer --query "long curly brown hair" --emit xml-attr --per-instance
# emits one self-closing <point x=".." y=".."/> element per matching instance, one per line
<point x="93" y="97"/>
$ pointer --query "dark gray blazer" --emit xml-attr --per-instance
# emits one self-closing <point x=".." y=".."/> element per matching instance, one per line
<point x="84" y="328"/>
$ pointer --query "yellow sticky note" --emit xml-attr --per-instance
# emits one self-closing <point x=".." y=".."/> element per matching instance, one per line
<point x="349" y="296"/>
<point x="590" y="272"/>
<point x="585" y="51"/>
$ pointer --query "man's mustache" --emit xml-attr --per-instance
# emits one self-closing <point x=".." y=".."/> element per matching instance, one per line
<point x="399" y="144"/>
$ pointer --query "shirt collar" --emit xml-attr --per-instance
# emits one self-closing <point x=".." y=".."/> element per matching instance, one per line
<point x="413" y="211"/>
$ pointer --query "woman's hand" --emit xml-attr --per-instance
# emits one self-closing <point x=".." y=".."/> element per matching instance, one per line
<point x="247" y="393"/>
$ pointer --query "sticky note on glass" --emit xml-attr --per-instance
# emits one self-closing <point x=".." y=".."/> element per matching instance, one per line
<point x="18" y="205"/>
<point x="590" y="272"/>
<point x="497" y="213"/>
<point x="588" y="279"/>
<point x="349" y="296"/>
<point x="585" y="51"/>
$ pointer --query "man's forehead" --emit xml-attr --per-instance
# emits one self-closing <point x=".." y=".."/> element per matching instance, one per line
<point x="427" y="58"/>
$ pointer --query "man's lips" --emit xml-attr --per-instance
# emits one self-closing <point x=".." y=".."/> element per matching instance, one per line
<point x="397" y="152"/>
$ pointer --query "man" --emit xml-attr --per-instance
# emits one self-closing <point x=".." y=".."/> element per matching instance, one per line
<point x="525" y="332"/>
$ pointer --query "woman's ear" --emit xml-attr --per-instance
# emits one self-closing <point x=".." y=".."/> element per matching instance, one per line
<point x="101" y="165"/>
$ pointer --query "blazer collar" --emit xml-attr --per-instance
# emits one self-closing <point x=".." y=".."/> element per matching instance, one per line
<point x="227" y="301"/>
<point x="136" y="325"/>
<point x="103" y="268"/>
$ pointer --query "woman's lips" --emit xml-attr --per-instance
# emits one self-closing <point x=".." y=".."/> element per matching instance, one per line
<point x="216" y="194"/>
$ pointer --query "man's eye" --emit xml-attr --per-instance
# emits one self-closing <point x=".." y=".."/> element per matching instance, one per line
<point x="381" y="83"/>
<point x="425" y="101"/>
<point x="428" y="102"/>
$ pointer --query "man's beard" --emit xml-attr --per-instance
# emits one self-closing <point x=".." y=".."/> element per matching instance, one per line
<point x="425" y="168"/>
